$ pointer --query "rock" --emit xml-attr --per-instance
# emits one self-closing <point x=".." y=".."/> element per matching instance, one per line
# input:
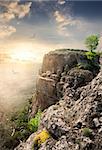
<point x="46" y="94"/>
<point x="63" y="79"/>
<point x="80" y="105"/>
<point x="59" y="67"/>
<point x="100" y="130"/>
<point x="59" y="88"/>
<point x="43" y="74"/>
<point x="58" y="72"/>
<point x="100" y="119"/>
<point x="56" y="61"/>
<point x="55" y="77"/>
<point x="48" y="73"/>
<point x="96" y="122"/>
<point x="80" y="76"/>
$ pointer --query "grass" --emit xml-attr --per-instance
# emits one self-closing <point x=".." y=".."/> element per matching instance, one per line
<point x="87" y="132"/>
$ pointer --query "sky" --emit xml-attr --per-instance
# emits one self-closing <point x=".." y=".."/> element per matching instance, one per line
<point x="40" y="26"/>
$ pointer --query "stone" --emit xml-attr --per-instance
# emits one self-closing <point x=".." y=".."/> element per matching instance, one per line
<point x="43" y="74"/>
<point x="100" y="119"/>
<point x="48" y="73"/>
<point x="100" y="130"/>
<point x="79" y="107"/>
<point x="46" y="94"/>
<point x="96" y="122"/>
<point x="55" y="77"/>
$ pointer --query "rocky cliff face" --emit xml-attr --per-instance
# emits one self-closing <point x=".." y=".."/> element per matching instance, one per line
<point x="74" y="122"/>
<point x="57" y="69"/>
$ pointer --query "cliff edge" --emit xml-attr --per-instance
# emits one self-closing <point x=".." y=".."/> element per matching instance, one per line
<point x="60" y="67"/>
<point x="74" y="122"/>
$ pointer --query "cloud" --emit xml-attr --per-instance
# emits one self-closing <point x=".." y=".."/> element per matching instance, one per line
<point x="13" y="9"/>
<point x="6" y="31"/>
<point x="63" y="22"/>
<point x="61" y="2"/>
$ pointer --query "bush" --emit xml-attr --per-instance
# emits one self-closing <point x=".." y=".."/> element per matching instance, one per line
<point x="87" y="132"/>
<point x="34" y="122"/>
<point x="91" y="55"/>
<point x="23" y="125"/>
<point x="83" y="66"/>
<point x="91" y="64"/>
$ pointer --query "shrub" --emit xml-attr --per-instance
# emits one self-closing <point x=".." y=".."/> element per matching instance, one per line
<point x="34" y="122"/>
<point x="91" y="64"/>
<point x="91" y="55"/>
<point x="22" y="124"/>
<point x="87" y="132"/>
<point x="83" y="66"/>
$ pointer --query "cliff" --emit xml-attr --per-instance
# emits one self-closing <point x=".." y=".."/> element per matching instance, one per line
<point x="57" y="68"/>
<point x="74" y="122"/>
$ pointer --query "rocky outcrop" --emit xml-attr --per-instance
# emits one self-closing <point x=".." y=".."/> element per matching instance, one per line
<point x="60" y="59"/>
<point x="74" y="122"/>
<point x="57" y="68"/>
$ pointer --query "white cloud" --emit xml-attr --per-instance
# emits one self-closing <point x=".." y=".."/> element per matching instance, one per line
<point x="61" y="2"/>
<point x="10" y="9"/>
<point x="13" y="9"/>
<point x="6" y="31"/>
<point x="64" y="21"/>
<point x="6" y="16"/>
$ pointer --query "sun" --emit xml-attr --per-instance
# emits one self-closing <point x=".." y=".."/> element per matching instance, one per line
<point x="23" y="53"/>
<point x="22" y="56"/>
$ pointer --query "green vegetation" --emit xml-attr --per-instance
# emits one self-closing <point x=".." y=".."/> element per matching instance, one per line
<point x="92" y="56"/>
<point x="92" y="42"/>
<point x="22" y="125"/>
<point x="34" y="122"/>
<point x="84" y="66"/>
<point x="87" y="132"/>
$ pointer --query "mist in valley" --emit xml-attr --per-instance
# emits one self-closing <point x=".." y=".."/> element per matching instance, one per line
<point x="17" y="84"/>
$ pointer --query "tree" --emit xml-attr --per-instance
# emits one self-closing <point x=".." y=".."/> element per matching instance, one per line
<point x="92" y="42"/>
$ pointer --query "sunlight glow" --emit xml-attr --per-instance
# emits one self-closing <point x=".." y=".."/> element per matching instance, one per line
<point x="23" y="53"/>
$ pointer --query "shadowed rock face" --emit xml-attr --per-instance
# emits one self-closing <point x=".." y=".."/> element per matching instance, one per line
<point x="45" y="94"/>
<point x="57" y="69"/>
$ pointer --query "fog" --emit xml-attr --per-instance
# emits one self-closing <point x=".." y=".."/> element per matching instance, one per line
<point x="17" y="84"/>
